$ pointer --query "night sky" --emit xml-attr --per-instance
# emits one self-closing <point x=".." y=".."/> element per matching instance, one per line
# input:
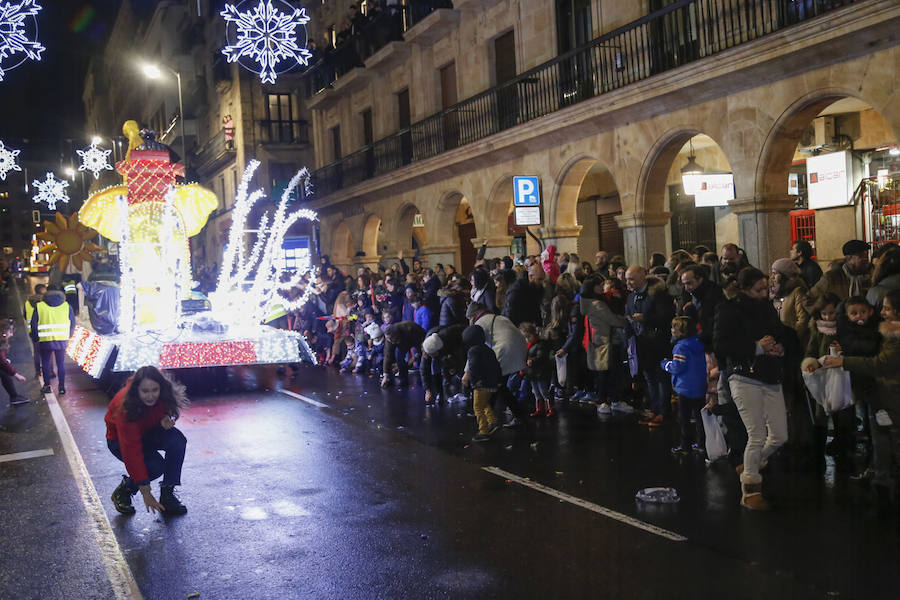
<point x="41" y="101"/>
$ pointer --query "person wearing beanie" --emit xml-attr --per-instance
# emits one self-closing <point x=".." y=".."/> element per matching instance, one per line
<point x="790" y="296"/>
<point x="443" y="358"/>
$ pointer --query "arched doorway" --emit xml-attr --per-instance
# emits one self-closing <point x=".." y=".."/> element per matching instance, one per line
<point x="464" y="232"/>
<point x="342" y="246"/>
<point x="839" y="160"/>
<point x="371" y="231"/>
<point x="588" y="203"/>
<point x="411" y="228"/>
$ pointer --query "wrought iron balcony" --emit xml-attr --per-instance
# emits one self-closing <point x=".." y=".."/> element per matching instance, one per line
<point x="283" y="132"/>
<point x="215" y="152"/>
<point x="681" y="33"/>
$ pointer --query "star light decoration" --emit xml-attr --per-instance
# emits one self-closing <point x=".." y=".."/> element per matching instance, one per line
<point x="51" y="191"/>
<point x="17" y="22"/>
<point x="265" y="37"/>
<point x="94" y="159"/>
<point x="8" y="161"/>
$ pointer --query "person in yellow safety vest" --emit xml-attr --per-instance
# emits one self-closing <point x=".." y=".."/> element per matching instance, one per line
<point x="277" y="316"/>
<point x="52" y="324"/>
<point x="30" y="303"/>
<point x="70" y="289"/>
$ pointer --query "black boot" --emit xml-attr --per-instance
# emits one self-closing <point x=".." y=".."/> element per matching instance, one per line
<point x="121" y="497"/>
<point x="168" y="499"/>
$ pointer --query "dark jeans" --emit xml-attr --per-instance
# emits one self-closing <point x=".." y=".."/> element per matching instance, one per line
<point x="47" y="355"/>
<point x="507" y="395"/>
<point x="9" y="384"/>
<point x="36" y="354"/>
<point x="689" y="421"/>
<point x="170" y="441"/>
<point x="396" y="354"/>
<point x="659" y="390"/>
<point x="602" y="385"/>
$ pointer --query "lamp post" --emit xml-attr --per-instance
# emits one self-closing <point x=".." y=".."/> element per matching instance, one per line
<point x="153" y="72"/>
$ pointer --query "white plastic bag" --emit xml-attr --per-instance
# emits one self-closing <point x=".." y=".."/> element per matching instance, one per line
<point x="715" y="440"/>
<point x="561" y="371"/>
<point x="830" y="388"/>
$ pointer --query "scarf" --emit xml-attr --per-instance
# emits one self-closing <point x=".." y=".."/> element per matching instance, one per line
<point x="855" y="281"/>
<point x="826" y="327"/>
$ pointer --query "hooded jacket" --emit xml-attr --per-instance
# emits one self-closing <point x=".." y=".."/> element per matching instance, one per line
<point x="688" y="367"/>
<point x="481" y="362"/>
<point x="551" y="267"/>
<point x="53" y="298"/>
<point x="885" y="368"/>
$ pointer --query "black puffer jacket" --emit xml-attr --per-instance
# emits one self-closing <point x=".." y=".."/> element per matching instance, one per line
<point x="453" y="308"/>
<point x="740" y="323"/>
<point x="541" y="361"/>
<point x="523" y="302"/>
<point x="701" y="305"/>
<point x="481" y="362"/>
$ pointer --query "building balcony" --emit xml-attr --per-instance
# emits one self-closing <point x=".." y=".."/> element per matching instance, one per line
<point x="214" y="154"/>
<point x="283" y="133"/>
<point x="433" y="27"/>
<point x="682" y="33"/>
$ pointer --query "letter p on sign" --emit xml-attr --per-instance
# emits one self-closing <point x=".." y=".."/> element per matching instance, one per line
<point x="526" y="191"/>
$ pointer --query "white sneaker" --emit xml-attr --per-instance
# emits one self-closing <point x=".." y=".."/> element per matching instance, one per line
<point x="604" y="409"/>
<point x="622" y="407"/>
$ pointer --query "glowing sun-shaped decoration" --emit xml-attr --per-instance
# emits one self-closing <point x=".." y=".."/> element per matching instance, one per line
<point x="67" y="241"/>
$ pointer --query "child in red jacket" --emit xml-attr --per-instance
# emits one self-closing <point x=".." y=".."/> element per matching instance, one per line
<point x="140" y="422"/>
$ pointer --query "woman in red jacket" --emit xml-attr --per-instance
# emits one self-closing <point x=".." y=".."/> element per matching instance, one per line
<point x="140" y="422"/>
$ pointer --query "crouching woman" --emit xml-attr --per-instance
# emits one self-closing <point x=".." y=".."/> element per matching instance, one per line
<point x="140" y="422"/>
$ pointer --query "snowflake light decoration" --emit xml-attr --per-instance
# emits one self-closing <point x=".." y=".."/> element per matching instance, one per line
<point x="94" y="159"/>
<point x="17" y="22"/>
<point x="265" y="37"/>
<point x="51" y="191"/>
<point x="8" y="161"/>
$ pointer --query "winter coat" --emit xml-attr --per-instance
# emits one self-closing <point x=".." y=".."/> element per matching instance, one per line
<point x="430" y="296"/>
<point x="129" y="434"/>
<point x="452" y="353"/>
<point x="6" y="365"/>
<point x="523" y="302"/>
<point x="885" y="368"/>
<point x="811" y="272"/>
<point x="393" y="302"/>
<point x="599" y="321"/>
<point x="819" y="345"/>
<point x="653" y="334"/>
<point x="878" y="292"/>
<point x="740" y="323"/>
<point x="53" y="298"/>
<point x="551" y="267"/>
<point x="506" y="340"/>
<point x="453" y="309"/>
<point x="482" y="365"/>
<point x="701" y="306"/>
<point x="837" y="281"/>
<point x="542" y="363"/>
<point x="572" y="345"/>
<point x="858" y="340"/>
<point x="793" y="312"/>
<point x="688" y="367"/>
<point x="422" y="317"/>
<point x="486" y="295"/>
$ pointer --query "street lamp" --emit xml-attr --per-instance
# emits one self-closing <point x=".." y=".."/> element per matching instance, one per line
<point x="152" y="71"/>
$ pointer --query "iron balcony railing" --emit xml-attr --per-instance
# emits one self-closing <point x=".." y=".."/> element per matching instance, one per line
<point x="283" y="132"/>
<point x="676" y="35"/>
<point x="387" y="24"/>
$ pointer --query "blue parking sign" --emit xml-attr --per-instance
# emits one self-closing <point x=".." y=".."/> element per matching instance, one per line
<point x="526" y="191"/>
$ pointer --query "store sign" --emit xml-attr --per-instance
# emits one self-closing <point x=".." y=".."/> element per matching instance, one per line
<point x="418" y="220"/>
<point x="528" y="215"/>
<point x="713" y="189"/>
<point x="793" y="184"/>
<point x="828" y="179"/>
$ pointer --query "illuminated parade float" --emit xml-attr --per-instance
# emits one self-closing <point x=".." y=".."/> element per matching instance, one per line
<point x="152" y="315"/>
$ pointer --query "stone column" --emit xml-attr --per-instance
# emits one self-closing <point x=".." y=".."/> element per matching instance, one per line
<point x="644" y="234"/>
<point x="565" y="238"/>
<point x="764" y="228"/>
<point x="445" y="255"/>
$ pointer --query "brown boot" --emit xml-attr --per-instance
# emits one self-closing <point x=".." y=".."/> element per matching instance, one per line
<point x="752" y="497"/>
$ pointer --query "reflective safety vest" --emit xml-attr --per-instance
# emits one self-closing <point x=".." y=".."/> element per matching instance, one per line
<point x="69" y="287"/>
<point x="276" y="311"/>
<point x="53" y="322"/>
<point x="29" y="310"/>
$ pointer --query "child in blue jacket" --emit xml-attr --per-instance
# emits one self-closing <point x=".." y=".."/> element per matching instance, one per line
<point x="688" y="369"/>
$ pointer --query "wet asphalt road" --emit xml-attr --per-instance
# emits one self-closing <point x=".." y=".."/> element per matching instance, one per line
<point x="377" y="496"/>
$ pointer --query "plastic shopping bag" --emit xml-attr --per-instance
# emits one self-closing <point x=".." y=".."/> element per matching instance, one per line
<point x="715" y="439"/>
<point x="561" y="370"/>
<point x="830" y="388"/>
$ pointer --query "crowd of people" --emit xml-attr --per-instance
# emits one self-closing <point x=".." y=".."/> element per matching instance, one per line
<point x="522" y="337"/>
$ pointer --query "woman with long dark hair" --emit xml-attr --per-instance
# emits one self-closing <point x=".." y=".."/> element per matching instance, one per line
<point x="140" y="422"/>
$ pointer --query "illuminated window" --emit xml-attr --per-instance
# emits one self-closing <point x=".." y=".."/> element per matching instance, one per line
<point x="294" y="253"/>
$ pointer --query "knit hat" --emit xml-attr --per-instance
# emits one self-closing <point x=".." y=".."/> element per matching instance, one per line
<point x="785" y="266"/>
<point x="432" y="344"/>
<point x="373" y="330"/>
<point x="474" y="309"/>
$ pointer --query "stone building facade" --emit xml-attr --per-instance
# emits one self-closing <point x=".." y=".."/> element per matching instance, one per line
<point x="749" y="104"/>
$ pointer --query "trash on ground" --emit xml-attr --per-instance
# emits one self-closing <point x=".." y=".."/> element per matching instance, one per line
<point x="660" y="495"/>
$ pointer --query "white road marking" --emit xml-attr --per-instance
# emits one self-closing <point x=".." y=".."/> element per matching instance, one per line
<point x="23" y="455"/>
<point x="606" y="512"/>
<point x="304" y="398"/>
<point x="120" y="576"/>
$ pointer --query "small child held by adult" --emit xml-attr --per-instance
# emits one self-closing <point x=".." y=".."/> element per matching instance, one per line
<point x="884" y="419"/>
<point x="688" y="370"/>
